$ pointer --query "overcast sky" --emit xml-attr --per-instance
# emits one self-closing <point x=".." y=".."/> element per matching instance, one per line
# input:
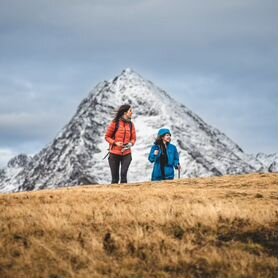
<point x="217" y="57"/>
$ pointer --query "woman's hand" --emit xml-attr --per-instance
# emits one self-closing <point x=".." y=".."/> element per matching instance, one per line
<point x="156" y="152"/>
<point x="119" y="144"/>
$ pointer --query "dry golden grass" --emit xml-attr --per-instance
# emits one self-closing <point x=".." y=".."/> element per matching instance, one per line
<point x="212" y="227"/>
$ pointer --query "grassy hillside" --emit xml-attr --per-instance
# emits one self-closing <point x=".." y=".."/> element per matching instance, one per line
<point x="212" y="227"/>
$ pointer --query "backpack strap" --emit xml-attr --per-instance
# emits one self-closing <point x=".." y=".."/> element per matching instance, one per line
<point x="116" y="129"/>
<point x="130" y="124"/>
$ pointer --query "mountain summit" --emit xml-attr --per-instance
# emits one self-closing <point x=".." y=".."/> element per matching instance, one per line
<point x="76" y="154"/>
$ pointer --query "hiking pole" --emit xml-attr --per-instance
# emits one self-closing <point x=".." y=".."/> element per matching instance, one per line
<point x="106" y="154"/>
<point x="179" y="168"/>
<point x="109" y="149"/>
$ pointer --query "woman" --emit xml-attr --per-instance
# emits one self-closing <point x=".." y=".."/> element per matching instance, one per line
<point x="121" y="136"/>
<point x="165" y="157"/>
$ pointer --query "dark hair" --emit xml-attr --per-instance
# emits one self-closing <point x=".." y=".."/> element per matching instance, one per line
<point x="123" y="108"/>
<point x="158" y="141"/>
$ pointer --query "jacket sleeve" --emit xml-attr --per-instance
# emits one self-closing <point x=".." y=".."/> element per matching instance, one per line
<point x="133" y="135"/>
<point x="109" y="133"/>
<point x="152" y="157"/>
<point x="176" y="159"/>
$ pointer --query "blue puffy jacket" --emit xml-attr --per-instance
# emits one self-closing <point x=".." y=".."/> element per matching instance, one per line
<point x="173" y="162"/>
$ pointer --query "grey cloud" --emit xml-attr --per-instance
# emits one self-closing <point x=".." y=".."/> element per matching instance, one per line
<point x="24" y="126"/>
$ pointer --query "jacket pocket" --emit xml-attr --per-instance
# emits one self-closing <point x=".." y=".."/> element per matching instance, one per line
<point x="169" y="171"/>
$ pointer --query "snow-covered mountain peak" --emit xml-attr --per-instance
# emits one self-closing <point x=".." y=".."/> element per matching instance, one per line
<point x="130" y="73"/>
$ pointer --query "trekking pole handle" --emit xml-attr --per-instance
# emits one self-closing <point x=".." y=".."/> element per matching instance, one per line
<point x="179" y="172"/>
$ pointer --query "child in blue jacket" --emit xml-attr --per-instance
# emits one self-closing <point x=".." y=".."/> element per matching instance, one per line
<point x="165" y="156"/>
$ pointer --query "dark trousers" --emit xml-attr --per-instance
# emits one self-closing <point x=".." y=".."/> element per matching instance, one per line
<point x="114" y="162"/>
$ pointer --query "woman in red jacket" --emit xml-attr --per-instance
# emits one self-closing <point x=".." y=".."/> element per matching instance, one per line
<point x="121" y="136"/>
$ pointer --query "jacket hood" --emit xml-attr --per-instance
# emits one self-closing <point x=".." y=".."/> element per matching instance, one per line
<point x="163" y="131"/>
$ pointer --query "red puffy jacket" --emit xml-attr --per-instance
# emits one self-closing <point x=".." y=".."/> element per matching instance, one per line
<point x="122" y="135"/>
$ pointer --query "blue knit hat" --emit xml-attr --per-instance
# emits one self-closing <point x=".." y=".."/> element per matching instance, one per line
<point x="163" y="131"/>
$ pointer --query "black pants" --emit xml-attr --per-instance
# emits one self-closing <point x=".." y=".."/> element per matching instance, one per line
<point x="114" y="163"/>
